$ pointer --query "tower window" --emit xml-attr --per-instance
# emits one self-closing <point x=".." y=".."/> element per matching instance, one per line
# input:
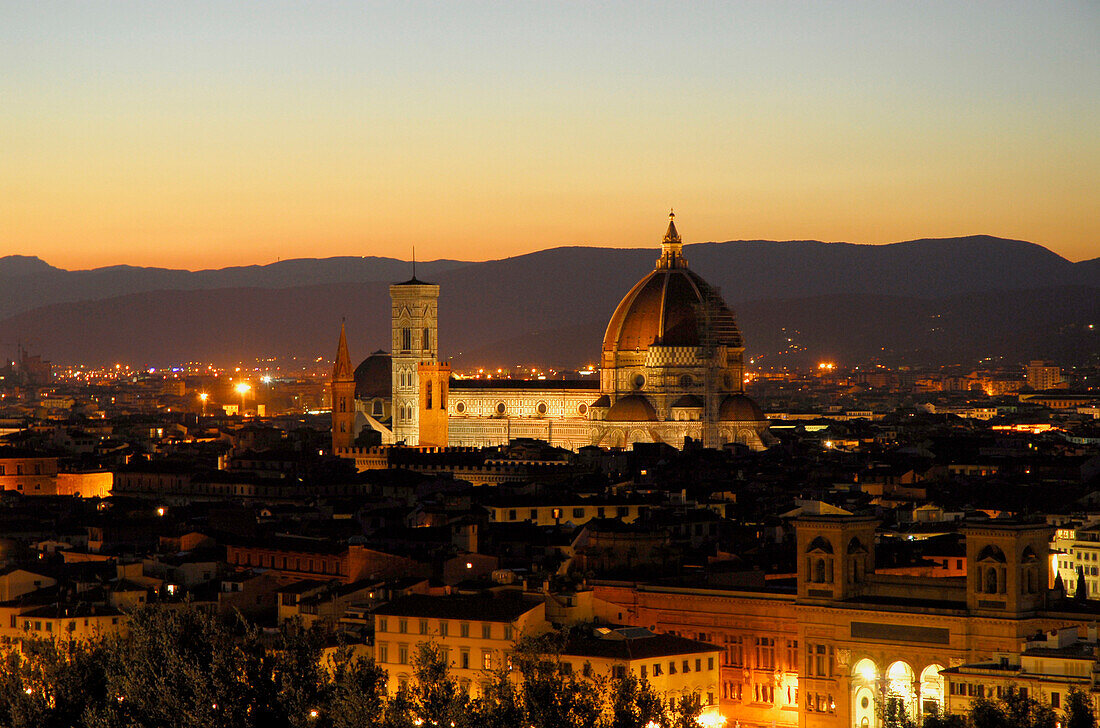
<point x="428" y="394"/>
<point x="406" y="339"/>
<point x="427" y="340"/>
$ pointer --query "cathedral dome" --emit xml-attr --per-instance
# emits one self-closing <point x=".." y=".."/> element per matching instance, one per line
<point x="632" y="408"/>
<point x="663" y="309"/>
<point x="739" y="408"/>
<point x="374" y="377"/>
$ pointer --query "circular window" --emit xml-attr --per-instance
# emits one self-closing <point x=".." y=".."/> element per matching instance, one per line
<point x="501" y="408"/>
<point x="864" y="703"/>
<point x="541" y="408"/>
<point x="639" y="381"/>
<point x="460" y="407"/>
<point x="582" y="408"/>
<point x="686" y="381"/>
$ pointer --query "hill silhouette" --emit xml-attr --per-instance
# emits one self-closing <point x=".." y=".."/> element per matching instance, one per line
<point x="934" y="301"/>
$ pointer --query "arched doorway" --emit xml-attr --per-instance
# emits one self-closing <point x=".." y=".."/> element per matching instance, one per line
<point x="899" y="695"/>
<point x="864" y="682"/>
<point x="931" y="690"/>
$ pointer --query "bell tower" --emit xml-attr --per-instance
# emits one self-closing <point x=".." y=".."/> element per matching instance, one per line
<point x="1007" y="566"/>
<point x="342" y="391"/>
<point x="836" y="555"/>
<point x="414" y="311"/>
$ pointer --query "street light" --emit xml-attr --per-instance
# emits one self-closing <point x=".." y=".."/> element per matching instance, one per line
<point x="242" y="389"/>
<point x="203" y="397"/>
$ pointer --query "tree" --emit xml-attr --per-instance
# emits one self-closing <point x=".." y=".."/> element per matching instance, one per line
<point x="631" y="703"/>
<point x="356" y="696"/>
<point x="944" y="720"/>
<point x="181" y="667"/>
<point x="436" y="697"/>
<point x="1082" y="591"/>
<point x="1079" y="713"/>
<point x="48" y="684"/>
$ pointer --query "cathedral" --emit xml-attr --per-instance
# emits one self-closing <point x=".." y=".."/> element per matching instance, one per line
<point x="671" y="368"/>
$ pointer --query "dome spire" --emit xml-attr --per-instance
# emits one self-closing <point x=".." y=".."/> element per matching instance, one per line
<point x="672" y="248"/>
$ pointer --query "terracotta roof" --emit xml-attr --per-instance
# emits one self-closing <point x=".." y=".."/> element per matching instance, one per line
<point x="474" y="608"/>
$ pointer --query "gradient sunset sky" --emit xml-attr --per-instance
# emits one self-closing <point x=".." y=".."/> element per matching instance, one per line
<point x="195" y="134"/>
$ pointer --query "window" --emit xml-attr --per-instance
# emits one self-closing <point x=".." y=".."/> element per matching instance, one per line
<point x="443" y="627"/>
<point x="427" y="340"/>
<point x="642" y="672"/>
<point x="671" y="667"/>
<point x="817" y="661"/>
<point x="403" y="654"/>
<point x="735" y="655"/>
<point x="710" y="663"/>
<point x="656" y="669"/>
<point x="402" y="626"/>
<point x="578" y="513"/>
<point x="383" y="624"/>
<point x="618" y="671"/>
<point x="698" y="665"/>
<point x="792" y="656"/>
<point x="423" y="626"/>
<point x="507" y="631"/>
<point x="486" y="660"/>
<point x="1055" y="700"/>
<point x="765" y="653"/>
<point x="406" y="339"/>
<point x="685" y="667"/>
<point x="464" y="629"/>
<point x="465" y="660"/>
<point x="383" y="652"/>
<point x="763" y="693"/>
<point x="486" y="631"/>
<point x="428" y="394"/>
<point x="512" y="515"/>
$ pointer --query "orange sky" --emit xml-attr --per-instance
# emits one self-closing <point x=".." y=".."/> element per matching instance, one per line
<point x="228" y="134"/>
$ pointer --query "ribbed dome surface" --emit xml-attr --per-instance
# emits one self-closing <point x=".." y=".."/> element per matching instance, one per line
<point x="632" y="408"/>
<point x="661" y="309"/>
<point x="374" y="376"/>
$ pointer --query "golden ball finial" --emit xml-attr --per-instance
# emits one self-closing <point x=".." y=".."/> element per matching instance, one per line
<point x="671" y="214"/>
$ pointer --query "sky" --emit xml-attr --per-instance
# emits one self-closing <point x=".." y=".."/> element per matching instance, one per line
<point x="207" y="134"/>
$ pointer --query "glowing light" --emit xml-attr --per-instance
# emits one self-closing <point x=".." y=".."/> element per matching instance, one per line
<point x="711" y="720"/>
<point x="265" y="379"/>
<point x="160" y="511"/>
<point x="243" y="388"/>
<point x="204" y="396"/>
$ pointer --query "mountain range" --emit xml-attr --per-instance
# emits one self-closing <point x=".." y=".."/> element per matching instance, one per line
<point x="932" y="301"/>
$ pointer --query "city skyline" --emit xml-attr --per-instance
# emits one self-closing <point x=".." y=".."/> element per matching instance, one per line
<point x="209" y="135"/>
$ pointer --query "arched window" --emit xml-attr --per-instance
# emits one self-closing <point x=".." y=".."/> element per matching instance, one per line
<point x="991" y="580"/>
<point x="377" y="411"/>
<point x="819" y="571"/>
<point x="427" y="339"/>
<point x="343" y="404"/>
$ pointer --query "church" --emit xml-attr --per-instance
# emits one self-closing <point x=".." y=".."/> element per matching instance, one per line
<point x="671" y="368"/>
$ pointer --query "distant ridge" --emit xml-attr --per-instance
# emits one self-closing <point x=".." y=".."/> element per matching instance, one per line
<point x="990" y="297"/>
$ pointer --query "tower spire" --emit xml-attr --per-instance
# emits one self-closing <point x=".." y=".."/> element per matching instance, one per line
<point x="341" y="370"/>
<point x="672" y="248"/>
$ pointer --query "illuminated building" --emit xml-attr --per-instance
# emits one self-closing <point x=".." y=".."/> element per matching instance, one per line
<point x="671" y="368"/>
<point x="848" y="644"/>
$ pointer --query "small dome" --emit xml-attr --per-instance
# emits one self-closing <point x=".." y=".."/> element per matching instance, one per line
<point x="739" y="408"/>
<point x="633" y="408"/>
<point x="688" y="400"/>
<point x="374" y="376"/>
